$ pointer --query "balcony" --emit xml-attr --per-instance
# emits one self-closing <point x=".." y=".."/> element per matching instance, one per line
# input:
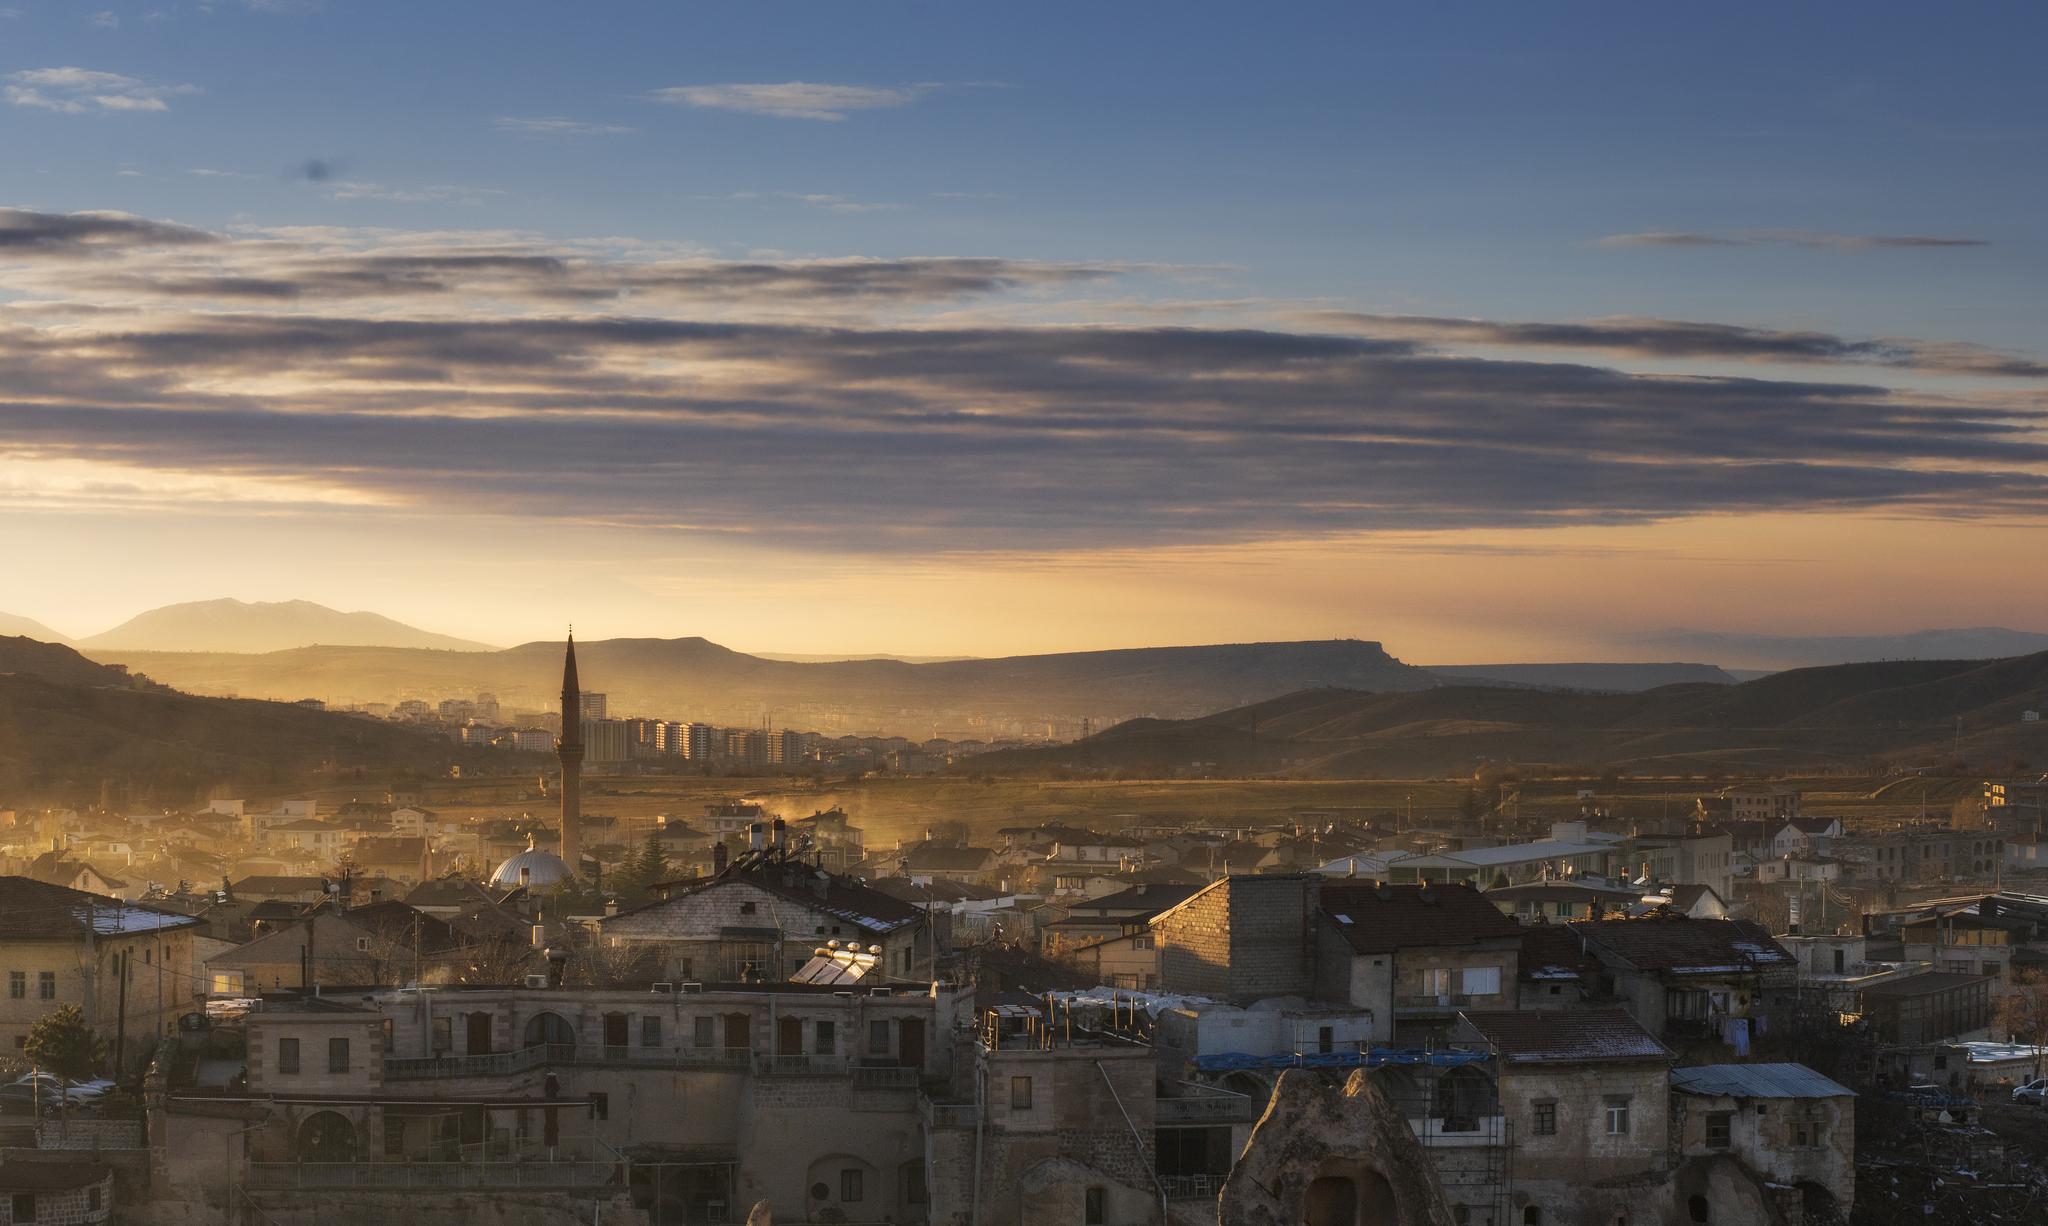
<point x="279" y="1175"/>
<point x="945" y="1115"/>
<point x="886" y="1078"/>
<point x="1192" y="1187"/>
<point x="1446" y="1001"/>
<point x="1480" y="1130"/>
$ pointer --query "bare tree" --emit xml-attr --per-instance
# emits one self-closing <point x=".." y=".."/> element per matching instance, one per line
<point x="2024" y="1011"/>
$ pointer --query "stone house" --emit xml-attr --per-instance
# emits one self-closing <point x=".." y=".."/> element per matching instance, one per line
<point x="128" y="967"/>
<point x="34" y="1193"/>
<point x="1112" y="915"/>
<point x="1785" y="1122"/>
<point x="1242" y="939"/>
<point x="1586" y="1097"/>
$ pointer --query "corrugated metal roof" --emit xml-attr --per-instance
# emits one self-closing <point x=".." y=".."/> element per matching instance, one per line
<point x="1757" y="1081"/>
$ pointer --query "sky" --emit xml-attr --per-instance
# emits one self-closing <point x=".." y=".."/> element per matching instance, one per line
<point x="1492" y="332"/>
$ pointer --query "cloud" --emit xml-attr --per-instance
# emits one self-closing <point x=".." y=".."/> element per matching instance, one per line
<point x="553" y="125"/>
<point x="77" y="91"/>
<point x="342" y="189"/>
<point x="218" y="174"/>
<point x="1816" y="239"/>
<point x="106" y="21"/>
<point x="26" y="232"/>
<point x="1675" y="338"/>
<point x="840" y="204"/>
<point x="436" y="374"/>
<point x="792" y="99"/>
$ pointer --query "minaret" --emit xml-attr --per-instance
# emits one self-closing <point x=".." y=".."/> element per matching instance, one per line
<point x="570" y="751"/>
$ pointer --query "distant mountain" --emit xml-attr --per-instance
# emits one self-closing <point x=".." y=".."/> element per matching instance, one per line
<point x="1903" y="710"/>
<point x="1618" y="678"/>
<point x="1759" y="651"/>
<point x="29" y="627"/>
<point x="873" y="655"/>
<point x="230" y="625"/>
<point x="669" y="677"/>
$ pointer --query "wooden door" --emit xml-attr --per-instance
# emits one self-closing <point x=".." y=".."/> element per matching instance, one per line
<point x="739" y="1031"/>
<point x="910" y="1043"/>
<point x="479" y="1034"/>
<point x="789" y="1036"/>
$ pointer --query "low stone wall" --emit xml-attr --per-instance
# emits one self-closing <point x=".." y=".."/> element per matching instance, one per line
<point x="473" y="1207"/>
<point x="89" y="1134"/>
<point x="131" y="1167"/>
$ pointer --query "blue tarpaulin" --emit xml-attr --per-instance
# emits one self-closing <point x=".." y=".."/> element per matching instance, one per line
<point x="1231" y="1061"/>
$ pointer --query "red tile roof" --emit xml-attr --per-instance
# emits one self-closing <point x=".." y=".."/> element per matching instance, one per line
<point x="1377" y="920"/>
<point x="1532" y="1035"/>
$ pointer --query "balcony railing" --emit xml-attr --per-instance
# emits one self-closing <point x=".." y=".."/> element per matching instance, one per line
<point x="1444" y="1001"/>
<point x="1192" y="1187"/>
<point x="885" y="1078"/>
<point x="738" y="1059"/>
<point x="790" y="1066"/>
<point x="945" y="1115"/>
<point x="265" y="1175"/>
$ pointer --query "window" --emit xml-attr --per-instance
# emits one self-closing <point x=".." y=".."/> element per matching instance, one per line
<point x="1941" y="1059"/>
<point x="650" y="1031"/>
<point x="1461" y="1215"/>
<point x="1989" y="968"/>
<point x="444" y="1034"/>
<point x="337" y="1055"/>
<point x="24" y="1207"/>
<point x="1719" y="1130"/>
<point x="388" y="1044"/>
<point x="824" y="1044"/>
<point x="913" y="1184"/>
<point x="1095" y="1207"/>
<point x="1696" y="1208"/>
<point x="746" y="908"/>
<point x="362" y="945"/>
<point x="394" y="1135"/>
<point x="287" y="1055"/>
<point x="17" y="985"/>
<point x="1544" y="1117"/>
<point x="1326" y="1039"/>
<point x="706" y="1034"/>
<point x="1436" y="981"/>
<point x="849" y="1185"/>
<point x="1480" y="981"/>
<point x="600" y="1105"/>
<point x="1564" y="910"/>
<point x="46" y="988"/>
<point x="878" y="1038"/>
<point x="1020" y="1094"/>
<point x="1532" y="1216"/>
<point x="1617" y="1116"/>
<point x="1142" y="942"/>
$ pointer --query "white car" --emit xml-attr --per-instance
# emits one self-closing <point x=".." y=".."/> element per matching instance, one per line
<point x="2034" y="1093"/>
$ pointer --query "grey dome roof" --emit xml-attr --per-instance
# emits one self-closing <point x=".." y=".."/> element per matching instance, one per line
<point x="540" y="869"/>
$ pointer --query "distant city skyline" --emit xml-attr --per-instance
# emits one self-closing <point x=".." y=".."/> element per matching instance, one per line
<point x="1492" y="334"/>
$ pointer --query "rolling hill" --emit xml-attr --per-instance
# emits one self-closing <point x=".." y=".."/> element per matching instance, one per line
<point x="1748" y="651"/>
<point x="1893" y="710"/>
<point x="668" y="677"/>
<point x="231" y="625"/>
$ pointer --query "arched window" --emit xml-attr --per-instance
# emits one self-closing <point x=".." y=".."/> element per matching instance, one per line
<point x="1696" y="1207"/>
<point x="1463" y="1096"/>
<point x="549" y="1028"/>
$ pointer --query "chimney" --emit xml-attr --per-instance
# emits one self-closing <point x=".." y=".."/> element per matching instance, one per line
<point x="540" y="936"/>
<point x="781" y="834"/>
<point x="719" y="856"/>
<point x="611" y="906"/>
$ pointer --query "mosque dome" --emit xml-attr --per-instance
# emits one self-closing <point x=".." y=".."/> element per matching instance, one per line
<point x="533" y="868"/>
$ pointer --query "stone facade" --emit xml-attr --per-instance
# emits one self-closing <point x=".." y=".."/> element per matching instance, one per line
<point x="1245" y="938"/>
<point x="1328" y="1157"/>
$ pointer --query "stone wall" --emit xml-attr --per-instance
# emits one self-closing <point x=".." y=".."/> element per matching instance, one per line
<point x="89" y="1134"/>
<point x="469" y="1208"/>
<point x="66" y="1207"/>
<point x="1246" y="938"/>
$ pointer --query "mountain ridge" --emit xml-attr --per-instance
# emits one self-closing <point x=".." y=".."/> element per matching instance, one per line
<point x="230" y="625"/>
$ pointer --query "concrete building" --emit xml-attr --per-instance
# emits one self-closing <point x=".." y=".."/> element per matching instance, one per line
<point x="128" y="967"/>
<point x="1686" y="978"/>
<point x="1414" y="956"/>
<point x="1937" y="1007"/>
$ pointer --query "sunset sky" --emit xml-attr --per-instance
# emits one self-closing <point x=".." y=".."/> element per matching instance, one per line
<point x="1490" y="331"/>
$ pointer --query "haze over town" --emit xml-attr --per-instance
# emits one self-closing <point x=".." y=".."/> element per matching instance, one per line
<point x="920" y="611"/>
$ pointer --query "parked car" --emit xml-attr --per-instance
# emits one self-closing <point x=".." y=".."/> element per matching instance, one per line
<point x="19" y="1099"/>
<point x="2033" y="1094"/>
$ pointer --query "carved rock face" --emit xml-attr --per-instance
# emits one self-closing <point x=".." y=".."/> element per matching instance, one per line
<point x="1327" y="1157"/>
